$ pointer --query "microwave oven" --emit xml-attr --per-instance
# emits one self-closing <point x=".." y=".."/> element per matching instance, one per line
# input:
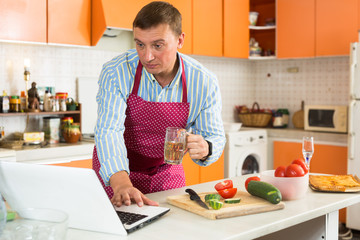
<point x="326" y="118"/>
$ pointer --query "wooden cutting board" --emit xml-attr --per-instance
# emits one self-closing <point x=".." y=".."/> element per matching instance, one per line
<point x="248" y="205"/>
<point x="298" y="117"/>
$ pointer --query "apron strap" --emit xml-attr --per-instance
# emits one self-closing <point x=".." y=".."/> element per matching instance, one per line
<point x="138" y="78"/>
<point x="183" y="80"/>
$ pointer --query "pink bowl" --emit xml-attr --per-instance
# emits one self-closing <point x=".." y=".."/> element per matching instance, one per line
<point x="291" y="188"/>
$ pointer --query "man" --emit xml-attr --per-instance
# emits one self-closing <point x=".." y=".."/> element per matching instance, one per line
<point x="140" y="94"/>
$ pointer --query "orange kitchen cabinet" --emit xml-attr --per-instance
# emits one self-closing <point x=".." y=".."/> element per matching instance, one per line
<point x="358" y="11"/>
<point x="295" y="28"/>
<point x="118" y="14"/>
<point x="192" y="171"/>
<point x="326" y="159"/>
<point x="336" y="26"/>
<point x="213" y="172"/>
<point x="195" y="174"/>
<point x="69" y="22"/>
<point x="236" y="28"/>
<point x="23" y="20"/>
<point x="208" y="27"/>
<point x="185" y="8"/>
<point x="87" y="163"/>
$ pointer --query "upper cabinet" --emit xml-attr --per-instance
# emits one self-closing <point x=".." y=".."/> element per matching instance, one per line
<point x="336" y="26"/>
<point x="311" y="28"/>
<point x="23" y="20"/>
<point x="120" y="14"/>
<point x="208" y="27"/>
<point x="185" y="8"/>
<point x="295" y="28"/>
<point x="236" y="28"/>
<point x="69" y="22"/>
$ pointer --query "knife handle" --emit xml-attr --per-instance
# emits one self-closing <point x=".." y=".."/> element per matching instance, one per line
<point x="193" y="194"/>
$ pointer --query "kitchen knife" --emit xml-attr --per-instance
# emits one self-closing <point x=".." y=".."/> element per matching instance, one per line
<point x="195" y="197"/>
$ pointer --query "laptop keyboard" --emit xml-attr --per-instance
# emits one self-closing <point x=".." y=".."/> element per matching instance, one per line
<point x="129" y="218"/>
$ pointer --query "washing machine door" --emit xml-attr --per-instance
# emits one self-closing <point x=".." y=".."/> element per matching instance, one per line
<point x="250" y="165"/>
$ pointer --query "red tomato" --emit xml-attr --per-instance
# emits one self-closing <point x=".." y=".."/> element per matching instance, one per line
<point x="251" y="179"/>
<point x="228" y="193"/>
<point x="280" y="171"/>
<point x="294" y="170"/>
<point x="302" y="164"/>
<point x="224" y="185"/>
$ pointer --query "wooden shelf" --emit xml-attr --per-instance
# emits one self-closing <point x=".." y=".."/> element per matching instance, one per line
<point x="262" y="58"/>
<point x="261" y="27"/>
<point x="14" y="114"/>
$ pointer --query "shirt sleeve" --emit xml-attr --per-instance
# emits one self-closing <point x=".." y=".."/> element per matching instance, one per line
<point x="109" y="129"/>
<point x="209" y="122"/>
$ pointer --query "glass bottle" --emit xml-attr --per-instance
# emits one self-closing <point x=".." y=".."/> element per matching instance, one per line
<point x="5" y="103"/>
<point x="22" y="101"/>
<point x="15" y="104"/>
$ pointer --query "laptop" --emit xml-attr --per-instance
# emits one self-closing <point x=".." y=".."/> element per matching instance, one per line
<point x="76" y="191"/>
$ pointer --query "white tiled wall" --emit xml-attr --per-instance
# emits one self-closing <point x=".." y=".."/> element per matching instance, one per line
<point x="319" y="81"/>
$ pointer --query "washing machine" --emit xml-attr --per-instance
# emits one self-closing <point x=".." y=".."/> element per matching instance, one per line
<point x="245" y="152"/>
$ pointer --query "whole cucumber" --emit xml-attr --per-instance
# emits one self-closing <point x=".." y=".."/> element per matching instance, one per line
<point x="265" y="190"/>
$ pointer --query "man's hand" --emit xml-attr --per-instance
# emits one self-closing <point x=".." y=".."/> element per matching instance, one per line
<point x="197" y="147"/>
<point x="124" y="192"/>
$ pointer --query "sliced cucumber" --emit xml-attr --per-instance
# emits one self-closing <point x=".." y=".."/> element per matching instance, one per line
<point x="209" y="197"/>
<point x="10" y="216"/>
<point x="232" y="200"/>
<point x="215" y="204"/>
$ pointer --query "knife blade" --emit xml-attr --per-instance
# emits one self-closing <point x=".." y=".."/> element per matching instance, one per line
<point x="195" y="197"/>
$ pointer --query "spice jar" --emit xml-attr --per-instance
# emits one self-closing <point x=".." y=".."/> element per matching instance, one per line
<point x="62" y="103"/>
<point x="72" y="133"/>
<point x="15" y="104"/>
<point x="281" y="118"/>
<point x="57" y="103"/>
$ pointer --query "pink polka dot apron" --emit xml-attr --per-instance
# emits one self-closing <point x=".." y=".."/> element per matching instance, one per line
<point x="145" y="128"/>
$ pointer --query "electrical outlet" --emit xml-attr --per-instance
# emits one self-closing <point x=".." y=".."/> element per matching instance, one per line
<point x="293" y="69"/>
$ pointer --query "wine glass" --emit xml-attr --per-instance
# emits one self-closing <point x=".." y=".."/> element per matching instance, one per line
<point x="308" y="149"/>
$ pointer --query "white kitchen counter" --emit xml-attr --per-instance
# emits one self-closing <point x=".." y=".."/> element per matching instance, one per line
<point x="55" y="153"/>
<point x="312" y="217"/>
<point x="7" y="155"/>
<point x="296" y="135"/>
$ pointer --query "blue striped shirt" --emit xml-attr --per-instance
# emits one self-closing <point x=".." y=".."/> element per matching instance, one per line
<point x="115" y="85"/>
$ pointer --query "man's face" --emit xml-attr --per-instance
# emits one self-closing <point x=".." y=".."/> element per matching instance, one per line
<point x="157" y="47"/>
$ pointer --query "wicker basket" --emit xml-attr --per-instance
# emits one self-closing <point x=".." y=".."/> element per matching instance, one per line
<point x="255" y="118"/>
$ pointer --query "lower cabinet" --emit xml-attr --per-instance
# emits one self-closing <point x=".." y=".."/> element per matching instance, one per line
<point x="195" y="174"/>
<point x="87" y="163"/>
<point x="328" y="159"/>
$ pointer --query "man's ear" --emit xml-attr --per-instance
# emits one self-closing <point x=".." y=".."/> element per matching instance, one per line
<point x="181" y="40"/>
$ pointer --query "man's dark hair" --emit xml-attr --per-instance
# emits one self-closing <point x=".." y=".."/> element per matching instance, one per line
<point x="155" y="13"/>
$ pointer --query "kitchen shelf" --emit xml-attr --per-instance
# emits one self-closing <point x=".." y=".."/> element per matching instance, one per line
<point x="13" y="114"/>
<point x="262" y="33"/>
<point x="261" y="27"/>
<point x="262" y="58"/>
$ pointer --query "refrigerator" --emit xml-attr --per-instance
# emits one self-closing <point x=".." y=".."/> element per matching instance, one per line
<point x="352" y="213"/>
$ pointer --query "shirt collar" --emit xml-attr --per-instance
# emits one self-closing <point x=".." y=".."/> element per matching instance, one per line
<point x="174" y="82"/>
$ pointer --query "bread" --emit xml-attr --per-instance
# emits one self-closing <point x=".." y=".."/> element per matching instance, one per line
<point x="335" y="183"/>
